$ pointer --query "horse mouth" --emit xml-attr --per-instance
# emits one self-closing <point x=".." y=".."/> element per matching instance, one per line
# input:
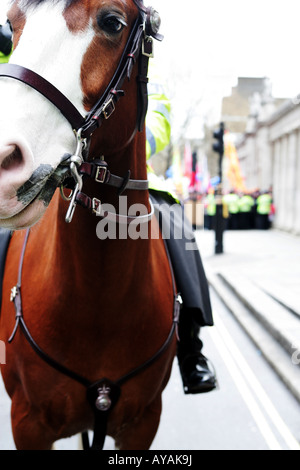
<point x="34" y="196"/>
<point x="34" y="186"/>
<point x="41" y="185"/>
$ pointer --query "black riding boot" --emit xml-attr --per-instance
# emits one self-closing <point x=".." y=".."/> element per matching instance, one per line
<point x="198" y="375"/>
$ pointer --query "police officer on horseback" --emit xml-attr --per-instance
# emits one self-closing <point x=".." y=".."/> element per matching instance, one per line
<point x="196" y="370"/>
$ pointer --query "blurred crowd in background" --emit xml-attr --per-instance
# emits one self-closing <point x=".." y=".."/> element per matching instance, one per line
<point x="241" y="211"/>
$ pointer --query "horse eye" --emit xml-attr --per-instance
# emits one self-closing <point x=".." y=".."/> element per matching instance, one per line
<point x="111" y="23"/>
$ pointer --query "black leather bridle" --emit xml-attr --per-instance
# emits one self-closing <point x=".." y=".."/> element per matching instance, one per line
<point x="139" y="48"/>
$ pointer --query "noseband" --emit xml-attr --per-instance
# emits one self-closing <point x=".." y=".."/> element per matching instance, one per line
<point x="139" y="47"/>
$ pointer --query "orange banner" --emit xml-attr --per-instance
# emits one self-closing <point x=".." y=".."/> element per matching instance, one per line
<point x="234" y="173"/>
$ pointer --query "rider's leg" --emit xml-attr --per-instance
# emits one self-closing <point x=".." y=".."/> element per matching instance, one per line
<point x="197" y="372"/>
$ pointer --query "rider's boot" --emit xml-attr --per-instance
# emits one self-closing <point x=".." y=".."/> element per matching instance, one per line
<point x="197" y="372"/>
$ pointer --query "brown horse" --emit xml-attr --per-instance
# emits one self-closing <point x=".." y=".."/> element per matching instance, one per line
<point x="88" y="307"/>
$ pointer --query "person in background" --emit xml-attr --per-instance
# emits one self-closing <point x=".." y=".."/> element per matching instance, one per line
<point x="246" y="203"/>
<point x="210" y="208"/>
<point x="232" y="201"/>
<point x="263" y="210"/>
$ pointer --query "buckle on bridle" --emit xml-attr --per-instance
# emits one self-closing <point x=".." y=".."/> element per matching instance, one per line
<point x="147" y="47"/>
<point x="108" y="108"/>
<point x="101" y="173"/>
<point x="96" y="206"/>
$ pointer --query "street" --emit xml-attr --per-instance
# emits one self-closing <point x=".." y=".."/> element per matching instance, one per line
<point x="251" y="410"/>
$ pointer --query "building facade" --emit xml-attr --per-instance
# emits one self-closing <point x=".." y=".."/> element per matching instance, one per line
<point x="269" y="154"/>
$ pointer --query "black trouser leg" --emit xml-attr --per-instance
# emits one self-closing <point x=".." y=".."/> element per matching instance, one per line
<point x="189" y="332"/>
<point x="198" y="375"/>
<point x="192" y="284"/>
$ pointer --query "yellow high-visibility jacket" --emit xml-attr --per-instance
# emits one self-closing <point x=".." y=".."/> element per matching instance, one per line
<point x="4" y="58"/>
<point x="264" y="203"/>
<point x="158" y="125"/>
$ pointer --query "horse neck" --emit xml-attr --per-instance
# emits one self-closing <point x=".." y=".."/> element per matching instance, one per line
<point x="82" y="266"/>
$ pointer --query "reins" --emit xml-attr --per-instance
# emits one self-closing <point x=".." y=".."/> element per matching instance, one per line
<point x="104" y="394"/>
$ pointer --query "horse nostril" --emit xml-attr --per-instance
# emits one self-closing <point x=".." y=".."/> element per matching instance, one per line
<point x="13" y="158"/>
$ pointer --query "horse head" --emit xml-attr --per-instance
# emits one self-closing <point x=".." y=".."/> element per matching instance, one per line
<point x="77" y="47"/>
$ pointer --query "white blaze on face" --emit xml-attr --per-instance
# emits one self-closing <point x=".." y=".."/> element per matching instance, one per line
<point x="27" y="119"/>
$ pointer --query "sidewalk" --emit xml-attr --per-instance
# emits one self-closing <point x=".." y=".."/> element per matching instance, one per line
<point x="258" y="278"/>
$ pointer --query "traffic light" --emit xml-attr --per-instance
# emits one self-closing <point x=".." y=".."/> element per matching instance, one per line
<point x="5" y="38"/>
<point x="218" y="146"/>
